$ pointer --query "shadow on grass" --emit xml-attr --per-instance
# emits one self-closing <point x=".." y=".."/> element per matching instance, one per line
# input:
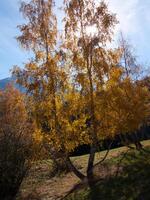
<point x="133" y="183"/>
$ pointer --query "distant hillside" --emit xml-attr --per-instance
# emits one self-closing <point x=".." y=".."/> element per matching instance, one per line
<point x="10" y="80"/>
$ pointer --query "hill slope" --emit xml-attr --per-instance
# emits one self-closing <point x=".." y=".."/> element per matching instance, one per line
<point x="10" y="80"/>
<point x="123" y="176"/>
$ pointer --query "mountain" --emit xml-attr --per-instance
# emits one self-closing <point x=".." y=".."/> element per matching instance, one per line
<point x="10" y="80"/>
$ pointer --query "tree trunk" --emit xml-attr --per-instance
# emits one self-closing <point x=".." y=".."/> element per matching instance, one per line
<point x="90" y="175"/>
<point x="138" y="145"/>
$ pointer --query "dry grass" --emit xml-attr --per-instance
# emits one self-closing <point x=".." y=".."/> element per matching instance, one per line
<point x="39" y="186"/>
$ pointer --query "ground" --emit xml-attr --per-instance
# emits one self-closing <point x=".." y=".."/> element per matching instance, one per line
<point x="123" y="176"/>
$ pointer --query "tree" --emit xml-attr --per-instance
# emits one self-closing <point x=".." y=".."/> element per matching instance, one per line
<point x="132" y="69"/>
<point x="40" y="34"/>
<point x="15" y="142"/>
<point x="43" y="76"/>
<point x="128" y="58"/>
<point x="88" y="28"/>
<point x="80" y="94"/>
<point x="125" y="103"/>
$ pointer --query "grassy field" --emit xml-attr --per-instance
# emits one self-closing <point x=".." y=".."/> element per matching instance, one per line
<point x="131" y="183"/>
<point x="125" y="175"/>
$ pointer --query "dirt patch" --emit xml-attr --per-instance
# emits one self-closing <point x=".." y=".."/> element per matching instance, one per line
<point x="39" y="185"/>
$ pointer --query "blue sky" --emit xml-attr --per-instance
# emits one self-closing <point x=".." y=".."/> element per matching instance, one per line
<point x="133" y="15"/>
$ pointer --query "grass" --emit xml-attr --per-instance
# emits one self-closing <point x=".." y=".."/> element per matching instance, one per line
<point x="131" y="183"/>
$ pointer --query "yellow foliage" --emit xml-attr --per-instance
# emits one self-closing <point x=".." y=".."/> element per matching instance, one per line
<point x="79" y="92"/>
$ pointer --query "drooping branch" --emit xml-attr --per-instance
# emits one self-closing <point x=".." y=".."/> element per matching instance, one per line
<point x="105" y="156"/>
<point x="74" y="169"/>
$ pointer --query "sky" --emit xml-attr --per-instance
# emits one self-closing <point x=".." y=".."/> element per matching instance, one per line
<point x="133" y="17"/>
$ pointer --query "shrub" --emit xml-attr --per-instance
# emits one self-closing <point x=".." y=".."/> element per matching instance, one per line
<point x="15" y="142"/>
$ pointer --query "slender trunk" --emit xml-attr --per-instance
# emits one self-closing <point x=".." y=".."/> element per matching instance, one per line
<point x="88" y="59"/>
<point x="90" y="175"/>
<point x="137" y="142"/>
<point x="52" y="92"/>
<point x="138" y="145"/>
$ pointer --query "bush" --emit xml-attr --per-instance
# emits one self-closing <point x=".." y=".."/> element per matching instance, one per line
<point x="15" y="142"/>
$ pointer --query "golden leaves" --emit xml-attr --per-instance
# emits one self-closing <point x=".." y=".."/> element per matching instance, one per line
<point x="79" y="91"/>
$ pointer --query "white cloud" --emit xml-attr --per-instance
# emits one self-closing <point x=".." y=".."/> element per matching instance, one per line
<point x="127" y="14"/>
<point x="134" y="22"/>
